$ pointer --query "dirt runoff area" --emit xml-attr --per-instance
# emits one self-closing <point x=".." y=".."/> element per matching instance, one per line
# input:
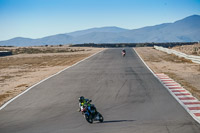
<point x="181" y="70"/>
<point x="20" y="71"/>
<point x="189" y="49"/>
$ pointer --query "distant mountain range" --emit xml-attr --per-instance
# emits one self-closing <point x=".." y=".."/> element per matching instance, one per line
<point x="184" y="30"/>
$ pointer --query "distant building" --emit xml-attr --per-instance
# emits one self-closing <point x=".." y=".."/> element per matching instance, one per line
<point x="5" y="53"/>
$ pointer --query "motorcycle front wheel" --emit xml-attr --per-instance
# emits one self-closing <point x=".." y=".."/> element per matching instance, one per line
<point x="100" y="118"/>
<point x="89" y="118"/>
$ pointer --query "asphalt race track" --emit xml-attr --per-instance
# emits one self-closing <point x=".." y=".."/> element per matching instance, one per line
<point x="124" y="91"/>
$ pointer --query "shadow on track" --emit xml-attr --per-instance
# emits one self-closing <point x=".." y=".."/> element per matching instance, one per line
<point x="114" y="121"/>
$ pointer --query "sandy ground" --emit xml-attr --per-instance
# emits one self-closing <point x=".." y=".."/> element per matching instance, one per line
<point x="181" y="70"/>
<point x="189" y="49"/>
<point x="18" y="72"/>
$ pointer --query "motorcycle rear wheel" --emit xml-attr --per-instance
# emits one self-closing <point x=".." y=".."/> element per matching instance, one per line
<point x="89" y="119"/>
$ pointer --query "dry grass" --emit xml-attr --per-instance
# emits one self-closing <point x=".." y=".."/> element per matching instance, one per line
<point x="23" y="70"/>
<point x="22" y="85"/>
<point x="195" y="92"/>
<point x="5" y="77"/>
<point x="180" y="69"/>
<point x="43" y="61"/>
<point x="37" y="50"/>
<point x="170" y="58"/>
<point x="4" y="96"/>
<point x="31" y="64"/>
<point x="198" y="68"/>
<point x="189" y="49"/>
<point x="175" y="59"/>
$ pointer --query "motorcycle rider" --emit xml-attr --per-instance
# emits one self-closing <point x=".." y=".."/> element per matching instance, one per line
<point x="84" y="102"/>
<point x="123" y="52"/>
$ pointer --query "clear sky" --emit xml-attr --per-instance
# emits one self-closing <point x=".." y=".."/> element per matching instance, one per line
<point x="40" y="18"/>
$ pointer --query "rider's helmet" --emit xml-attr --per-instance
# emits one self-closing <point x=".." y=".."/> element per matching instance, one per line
<point x="81" y="99"/>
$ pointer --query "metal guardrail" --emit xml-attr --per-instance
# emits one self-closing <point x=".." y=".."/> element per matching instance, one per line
<point x="195" y="59"/>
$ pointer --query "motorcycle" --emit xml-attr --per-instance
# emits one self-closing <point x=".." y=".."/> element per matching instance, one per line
<point x="91" y="114"/>
<point x="123" y="54"/>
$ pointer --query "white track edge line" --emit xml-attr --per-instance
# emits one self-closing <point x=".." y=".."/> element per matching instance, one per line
<point x="12" y="99"/>
<point x="193" y="116"/>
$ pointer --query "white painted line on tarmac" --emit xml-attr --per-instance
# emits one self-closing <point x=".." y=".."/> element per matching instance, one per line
<point x="184" y="96"/>
<point x="193" y="111"/>
<point x="4" y="105"/>
<point x="189" y="101"/>
<point x="197" y="105"/>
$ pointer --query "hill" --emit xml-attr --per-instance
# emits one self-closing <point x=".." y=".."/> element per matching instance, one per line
<point x="184" y="30"/>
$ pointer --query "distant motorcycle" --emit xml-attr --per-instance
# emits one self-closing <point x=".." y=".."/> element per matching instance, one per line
<point x="123" y="53"/>
<point x="91" y="114"/>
